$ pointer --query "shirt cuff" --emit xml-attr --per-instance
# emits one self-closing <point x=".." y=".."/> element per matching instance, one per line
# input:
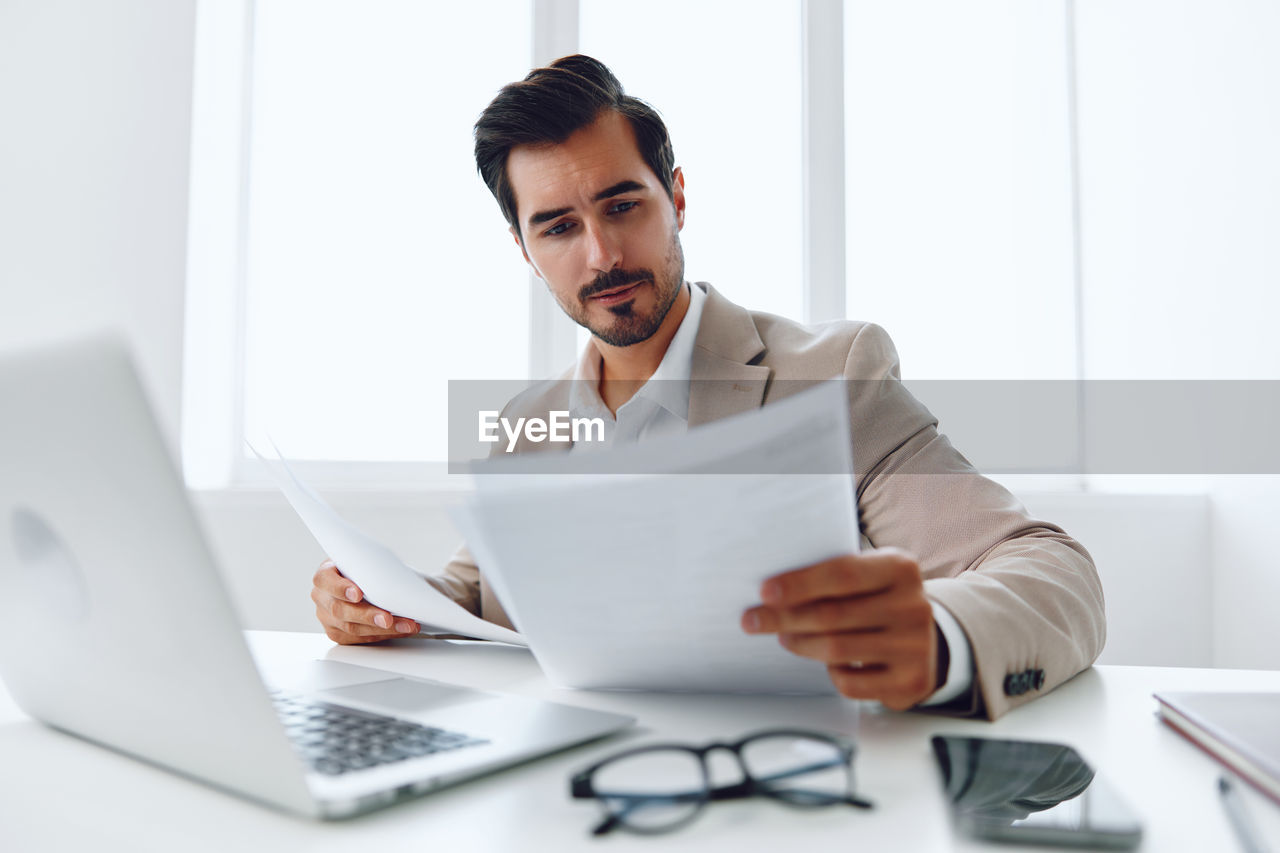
<point x="960" y="669"/>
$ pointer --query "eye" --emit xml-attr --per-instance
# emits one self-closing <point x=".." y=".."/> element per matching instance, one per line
<point x="623" y="206"/>
<point x="558" y="229"/>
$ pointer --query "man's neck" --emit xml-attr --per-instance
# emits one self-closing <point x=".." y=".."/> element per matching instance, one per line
<point x="624" y="369"/>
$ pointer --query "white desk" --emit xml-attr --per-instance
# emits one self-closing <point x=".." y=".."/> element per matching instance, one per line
<point x="59" y="793"/>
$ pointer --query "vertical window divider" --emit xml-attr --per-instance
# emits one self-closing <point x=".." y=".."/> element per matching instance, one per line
<point x="215" y="290"/>
<point x="1077" y="242"/>
<point x="822" y="115"/>
<point x="239" y="471"/>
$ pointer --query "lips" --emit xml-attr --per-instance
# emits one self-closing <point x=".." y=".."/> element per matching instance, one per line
<point x="617" y="294"/>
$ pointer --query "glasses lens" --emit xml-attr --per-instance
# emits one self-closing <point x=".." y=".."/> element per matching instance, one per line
<point x="803" y="771"/>
<point x="652" y="790"/>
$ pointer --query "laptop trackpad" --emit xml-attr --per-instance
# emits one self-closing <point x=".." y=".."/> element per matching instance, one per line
<point x="408" y="695"/>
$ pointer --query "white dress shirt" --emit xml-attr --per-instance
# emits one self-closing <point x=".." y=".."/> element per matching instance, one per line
<point x="661" y="407"/>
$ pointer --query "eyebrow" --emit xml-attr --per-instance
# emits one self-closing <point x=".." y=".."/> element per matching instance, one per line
<point x="619" y="188"/>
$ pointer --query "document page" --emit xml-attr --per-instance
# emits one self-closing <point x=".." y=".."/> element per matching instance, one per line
<point x="383" y="577"/>
<point x="638" y="581"/>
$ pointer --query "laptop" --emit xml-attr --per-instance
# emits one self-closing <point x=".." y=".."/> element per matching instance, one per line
<point x="120" y="629"/>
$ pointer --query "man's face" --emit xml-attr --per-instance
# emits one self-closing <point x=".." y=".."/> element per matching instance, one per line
<point x="600" y="230"/>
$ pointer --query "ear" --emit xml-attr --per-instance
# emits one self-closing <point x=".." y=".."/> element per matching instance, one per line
<point x="515" y="235"/>
<point x="677" y="195"/>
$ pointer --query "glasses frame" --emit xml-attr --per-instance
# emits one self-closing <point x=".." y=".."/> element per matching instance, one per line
<point x="581" y="784"/>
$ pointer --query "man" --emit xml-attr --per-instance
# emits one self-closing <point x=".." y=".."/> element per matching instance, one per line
<point x="958" y="601"/>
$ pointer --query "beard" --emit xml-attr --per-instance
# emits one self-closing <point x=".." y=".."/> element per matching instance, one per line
<point x="628" y="325"/>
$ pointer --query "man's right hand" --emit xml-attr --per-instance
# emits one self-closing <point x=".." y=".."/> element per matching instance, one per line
<point x="349" y="619"/>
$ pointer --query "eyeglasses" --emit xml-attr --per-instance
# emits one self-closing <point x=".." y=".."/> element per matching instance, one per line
<point x="659" y="788"/>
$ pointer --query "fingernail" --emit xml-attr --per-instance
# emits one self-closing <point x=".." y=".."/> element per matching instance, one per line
<point x="382" y="620"/>
<point x="771" y="592"/>
<point x="353" y="594"/>
<point x="404" y="627"/>
<point x="751" y="622"/>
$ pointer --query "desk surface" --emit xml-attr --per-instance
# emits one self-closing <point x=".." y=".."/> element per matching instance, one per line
<point x="59" y="793"/>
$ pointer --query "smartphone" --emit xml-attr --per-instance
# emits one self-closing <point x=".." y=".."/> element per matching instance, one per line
<point x="1031" y="792"/>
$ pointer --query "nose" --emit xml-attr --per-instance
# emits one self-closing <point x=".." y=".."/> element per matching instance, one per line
<point x="603" y="248"/>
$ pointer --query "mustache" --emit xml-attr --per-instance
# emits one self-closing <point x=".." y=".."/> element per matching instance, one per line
<point x="613" y="279"/>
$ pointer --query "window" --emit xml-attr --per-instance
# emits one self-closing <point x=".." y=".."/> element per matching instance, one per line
<point x="371" y="241"/>
<point x="958" y="181"/>
<point x="375" y="264"/>
<point x="346" y="260"/>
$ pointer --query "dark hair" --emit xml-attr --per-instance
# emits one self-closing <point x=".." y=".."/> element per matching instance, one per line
<point x="548" y="107"/>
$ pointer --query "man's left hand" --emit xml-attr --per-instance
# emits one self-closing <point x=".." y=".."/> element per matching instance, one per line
<point x="865" y="616"/>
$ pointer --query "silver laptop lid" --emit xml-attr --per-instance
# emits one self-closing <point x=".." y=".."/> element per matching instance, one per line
<point x="120" y="629"/>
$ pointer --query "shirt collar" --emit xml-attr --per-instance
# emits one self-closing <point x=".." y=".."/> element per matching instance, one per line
<point x="671" y="390"/>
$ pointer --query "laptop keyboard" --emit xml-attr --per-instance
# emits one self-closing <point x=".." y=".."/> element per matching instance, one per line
<point x="334" y="739"/>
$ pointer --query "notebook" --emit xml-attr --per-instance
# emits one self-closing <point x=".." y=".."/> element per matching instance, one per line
<point x="1241" y="730"/>
<point x="126" y="635"/>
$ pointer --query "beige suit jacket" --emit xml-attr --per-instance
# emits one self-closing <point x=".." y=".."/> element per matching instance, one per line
<point x="1026" y="594"/>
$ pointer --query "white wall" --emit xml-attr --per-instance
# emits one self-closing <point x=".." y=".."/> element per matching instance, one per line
<point x="1246" y="572"/>
<point x="95" y="100"/>
<point x="1153" y="554"/>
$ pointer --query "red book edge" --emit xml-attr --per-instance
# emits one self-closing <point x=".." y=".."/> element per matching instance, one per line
<point x="1202" y="739"/>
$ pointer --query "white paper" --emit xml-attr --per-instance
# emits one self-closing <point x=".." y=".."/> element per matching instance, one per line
<point x="639" y="581"/>
<point x="384" y="578"/>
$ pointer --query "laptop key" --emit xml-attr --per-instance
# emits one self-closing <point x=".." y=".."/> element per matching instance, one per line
<point x="334" y="740"/>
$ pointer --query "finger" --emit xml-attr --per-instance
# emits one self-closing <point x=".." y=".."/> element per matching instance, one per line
<point x="877" y="647"/>
<point x="823" y="616"/>
<point x="336" y="612"/>
<point x="399" y="628"/>
<point x="899" y="607"/>
<point x="895" y="687"/>
<point x="329" y="579"/>
<point x="346" y="631"/>
<point x="370" y="617"/>
<point x="845" y="575"/>
<point x="333" y="604"/>
<point x="346" y="638"/>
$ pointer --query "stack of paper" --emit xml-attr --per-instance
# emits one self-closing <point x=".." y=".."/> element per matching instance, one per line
<point x="384" y="578"/>
<point x="639" y="580"/>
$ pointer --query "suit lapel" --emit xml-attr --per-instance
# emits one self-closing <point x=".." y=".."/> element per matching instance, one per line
<point x="722" y="381"/>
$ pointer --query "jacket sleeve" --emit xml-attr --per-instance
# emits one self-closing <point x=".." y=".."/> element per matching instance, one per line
<point x="463" y="581"/>
<point x="460" y="579"/>
<point x="1027" y="595"/>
